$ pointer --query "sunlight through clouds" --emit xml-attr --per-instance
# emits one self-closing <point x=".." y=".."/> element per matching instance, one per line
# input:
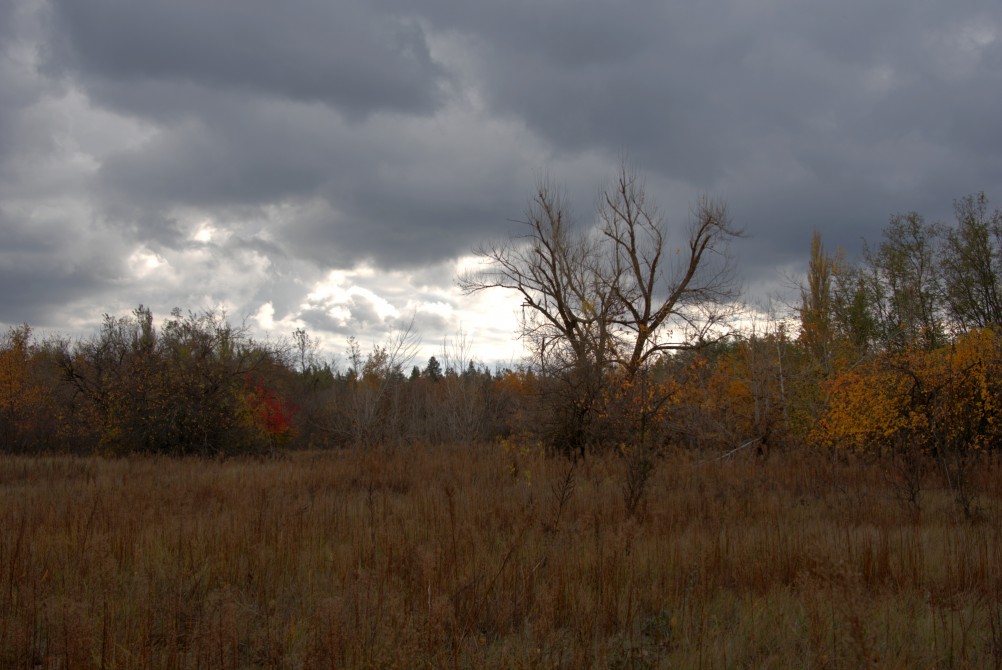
<point x="144" y="263"/>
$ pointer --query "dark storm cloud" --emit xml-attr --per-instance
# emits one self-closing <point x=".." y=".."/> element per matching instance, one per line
<point x="344" y="54"/>
<point x="235" y="157"/>
<point x="33" y="294"/>
<point x="683" y="86"/>
<point x="372" y="192"/>
<point x="312" y="135"/>
<point x="41" y="274"/>
<point x="828" y="116"/>
<point x="399" y="230"/>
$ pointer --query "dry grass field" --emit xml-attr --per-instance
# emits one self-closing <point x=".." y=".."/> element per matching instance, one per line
<point x="490" y="557"/>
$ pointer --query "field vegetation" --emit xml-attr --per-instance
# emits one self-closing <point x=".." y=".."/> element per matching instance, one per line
<point x="493" y="556"/>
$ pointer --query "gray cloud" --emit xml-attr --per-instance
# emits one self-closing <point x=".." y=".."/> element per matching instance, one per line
<point x="234" y="153"/>
<point x="358" y="315"/>
<point x="45" y="267"/>
<point x="342" y="54"/>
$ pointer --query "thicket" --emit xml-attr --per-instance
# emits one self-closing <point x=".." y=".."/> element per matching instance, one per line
<point x="198" y="386"/>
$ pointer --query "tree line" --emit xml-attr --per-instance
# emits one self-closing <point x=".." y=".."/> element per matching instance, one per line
<point x="632" y="347"/>
<point x="196" y="385"/>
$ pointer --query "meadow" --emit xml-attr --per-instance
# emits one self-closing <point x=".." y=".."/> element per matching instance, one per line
<point x="493" y="556"/>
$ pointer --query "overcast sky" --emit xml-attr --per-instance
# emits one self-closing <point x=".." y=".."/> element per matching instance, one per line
<point x="328" y="164"/>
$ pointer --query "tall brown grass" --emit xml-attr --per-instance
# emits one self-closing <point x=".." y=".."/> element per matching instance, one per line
<point x="490" y="557"/>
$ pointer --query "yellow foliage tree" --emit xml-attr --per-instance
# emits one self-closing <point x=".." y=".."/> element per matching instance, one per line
<point x="945" y="399"/>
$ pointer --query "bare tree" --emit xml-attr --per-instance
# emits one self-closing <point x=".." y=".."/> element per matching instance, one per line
<point x="971" y="265"/>
<point x="377" y="391"/>
<point x="554" y="270"/>
<point x="612" y="298"/>
<point x="905" y="286"/>
<point x="665" y="298"/>
<point x="620" y="295"/>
